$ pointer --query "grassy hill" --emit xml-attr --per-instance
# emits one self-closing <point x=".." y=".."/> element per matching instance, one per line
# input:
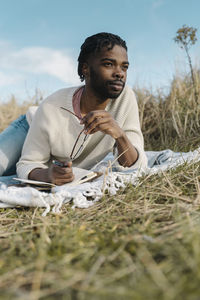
<point x="143" y="243"/>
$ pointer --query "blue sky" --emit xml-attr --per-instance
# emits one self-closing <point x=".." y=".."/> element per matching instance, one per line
<point x="40" y="40"/>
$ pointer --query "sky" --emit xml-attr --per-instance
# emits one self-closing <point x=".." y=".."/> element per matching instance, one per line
<point x="40" y="41"/>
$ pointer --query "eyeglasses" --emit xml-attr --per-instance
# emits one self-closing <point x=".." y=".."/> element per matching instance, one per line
<point x="73" y="155"/>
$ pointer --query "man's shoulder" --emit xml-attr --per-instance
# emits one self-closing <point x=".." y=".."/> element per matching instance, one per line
<point x="62" y="97"/>
<point x="49" y="106"/>
<point x="64" y="94"/>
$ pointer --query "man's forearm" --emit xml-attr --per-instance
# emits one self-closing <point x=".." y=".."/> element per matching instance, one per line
<point x="129" y="154"/>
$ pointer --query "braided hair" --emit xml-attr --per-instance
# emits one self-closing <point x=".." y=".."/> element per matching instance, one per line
<point x="94" y="44"/>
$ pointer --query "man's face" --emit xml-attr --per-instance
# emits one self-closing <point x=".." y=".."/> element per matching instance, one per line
<point x="107" y="72"/>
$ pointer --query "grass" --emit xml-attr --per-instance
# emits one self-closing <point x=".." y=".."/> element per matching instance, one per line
<point x="143" y="243"/>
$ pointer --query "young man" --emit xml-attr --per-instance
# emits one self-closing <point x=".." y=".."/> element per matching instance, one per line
<point x="103" y="113"/>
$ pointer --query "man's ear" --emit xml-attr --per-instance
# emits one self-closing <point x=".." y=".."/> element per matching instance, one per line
<point x="85" y="70"/>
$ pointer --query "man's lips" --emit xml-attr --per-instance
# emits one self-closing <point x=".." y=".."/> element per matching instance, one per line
<point x="117" y="85"/>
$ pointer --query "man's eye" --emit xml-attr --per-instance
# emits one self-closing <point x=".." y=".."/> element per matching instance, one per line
<point x="108" y="64"/>
<point x="125" y="67"/>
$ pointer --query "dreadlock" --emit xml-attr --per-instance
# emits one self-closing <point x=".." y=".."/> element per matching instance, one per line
<point x="94" y="44"/>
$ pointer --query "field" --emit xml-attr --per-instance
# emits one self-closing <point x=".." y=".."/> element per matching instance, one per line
<point x="143" y="243"/>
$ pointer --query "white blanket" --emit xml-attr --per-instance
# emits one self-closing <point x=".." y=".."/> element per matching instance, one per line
<point x="86" y="194"/>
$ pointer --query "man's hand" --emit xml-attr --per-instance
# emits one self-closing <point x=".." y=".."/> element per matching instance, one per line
<point x="61" y="174"/>
<point x="55" y="174"/>
<point x="101" y="120"/>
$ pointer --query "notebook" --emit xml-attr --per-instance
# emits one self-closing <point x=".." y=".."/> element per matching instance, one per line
<point x="81" y="176"/>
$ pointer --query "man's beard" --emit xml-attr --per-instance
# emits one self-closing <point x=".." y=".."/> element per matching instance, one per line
<point x="101" y="88"/>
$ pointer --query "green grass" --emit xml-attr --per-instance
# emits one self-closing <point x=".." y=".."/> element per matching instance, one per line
<point x="143" y="243"/>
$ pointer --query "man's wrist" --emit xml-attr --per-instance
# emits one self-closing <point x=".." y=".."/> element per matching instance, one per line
<point x="121" y="136"/>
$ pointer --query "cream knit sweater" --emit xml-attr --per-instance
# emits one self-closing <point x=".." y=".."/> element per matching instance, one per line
<point x="53" y="132"/>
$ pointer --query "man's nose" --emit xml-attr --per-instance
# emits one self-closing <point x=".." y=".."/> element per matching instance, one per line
<point x="119" y="73"/>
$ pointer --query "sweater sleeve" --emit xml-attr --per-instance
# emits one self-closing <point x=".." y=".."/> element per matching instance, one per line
<point x="36" y="149"/>
<point x="131" y="126"/>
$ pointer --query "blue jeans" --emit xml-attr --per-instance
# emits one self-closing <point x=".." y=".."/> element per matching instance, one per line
<point x="11" y="143"/>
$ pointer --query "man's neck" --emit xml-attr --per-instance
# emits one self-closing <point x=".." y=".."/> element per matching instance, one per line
<point x="89" y="102"/>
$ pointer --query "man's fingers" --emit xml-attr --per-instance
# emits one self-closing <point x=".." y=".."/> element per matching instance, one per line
<point x="104" y="127"/>
<point x="63" y="180"/>
<point x="97" y="124"/>
<point x="91" y="116"/>
<point x="101" y="120"/>
<point x="61" y="170"/>
<point x="61" y="175"/>
<point x="64" y="177"/>
<point x="67" y="163"/>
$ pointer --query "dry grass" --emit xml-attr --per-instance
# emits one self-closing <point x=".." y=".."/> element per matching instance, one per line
<point x="171" y="121"/>
<point x="143" y="243"/>
<point x="10" y="111"/>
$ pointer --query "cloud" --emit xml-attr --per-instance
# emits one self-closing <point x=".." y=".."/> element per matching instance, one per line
<point x="6" y="79"/>
<point x="37" y="60"/>
<point x="157" y="3"/>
